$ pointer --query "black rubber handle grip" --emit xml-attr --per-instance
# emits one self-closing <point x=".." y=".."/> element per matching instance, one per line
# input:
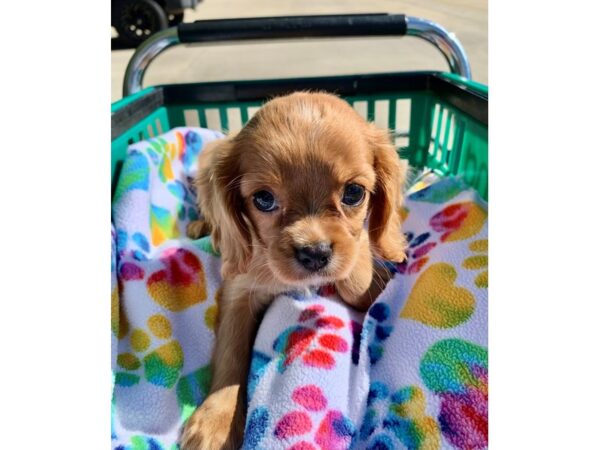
<point x="293" y="27"/>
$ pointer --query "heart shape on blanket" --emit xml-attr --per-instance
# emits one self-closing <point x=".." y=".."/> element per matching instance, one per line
<point x="457" y="371"/>
<point x="181" y="283"/>
<point x="459" y="221"/>
<point x="435" y="301"/>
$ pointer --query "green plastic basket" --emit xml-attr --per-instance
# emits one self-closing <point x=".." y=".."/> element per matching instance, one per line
<point x="438" y="120"/>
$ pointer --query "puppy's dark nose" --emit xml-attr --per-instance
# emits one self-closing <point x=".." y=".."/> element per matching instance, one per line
<point x="314" y="257"/>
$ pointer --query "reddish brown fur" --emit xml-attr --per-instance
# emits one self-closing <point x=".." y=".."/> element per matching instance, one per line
<point x="304" y="148"/>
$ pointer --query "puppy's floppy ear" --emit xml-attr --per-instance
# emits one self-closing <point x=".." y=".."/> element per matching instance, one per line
<point x="385" y="234"/>
<point x="222" y="205"/>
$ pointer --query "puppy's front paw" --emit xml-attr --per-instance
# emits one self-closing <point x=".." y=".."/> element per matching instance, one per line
<point x="218" y="424"/>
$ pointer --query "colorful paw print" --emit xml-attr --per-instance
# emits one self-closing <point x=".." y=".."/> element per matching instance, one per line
<point x="440" y="191"/>
<point x="192" y="389"/>
<point x="403" y="212"/>
<point x="398" y="420"/>
<point x="144" y="443"/>
<point x="459" y="221"/>
<point x="163" y="225"/>
<point x="333" y="432"/>
<point x="375" y="325"/>
<point x="129" y="271"/>
<point x="185" y="149"/>
<point x="212" y="312"/>
<point x="205" y="244"/>
<point x="436" y="301"/>
<point x="181" y="283"/>
<point x="163" y="154"/>
<point x="186" y="207"/>
<point x="114" y="311"/>
<point x="135" y="175"/>
<point x="161" y="366"/>
<point x="314" y="342"/>
<point x="256" y="428"/>
<point x="378" y="315"/>
<point x="193" y="145"/>
<point x="478" y="262"/>
<point x="113" y="249"/>
<point x="416" y="254"/>
<point x="356" y="329"/>
<point x="136" y="245"/>
<point x="258" y="367"/>
<point x="115" y="303"/>
<point x="457" y="371"/>
<point x="210" y="317"/>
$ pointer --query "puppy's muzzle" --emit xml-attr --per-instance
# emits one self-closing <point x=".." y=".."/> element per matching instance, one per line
<point x="314" y="257"/>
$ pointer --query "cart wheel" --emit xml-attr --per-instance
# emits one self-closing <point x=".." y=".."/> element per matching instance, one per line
<point x="175" y="19"/>
<point x="139" y="19"/>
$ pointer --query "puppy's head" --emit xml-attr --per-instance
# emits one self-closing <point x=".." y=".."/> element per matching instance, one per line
<point x="298" y="184"/>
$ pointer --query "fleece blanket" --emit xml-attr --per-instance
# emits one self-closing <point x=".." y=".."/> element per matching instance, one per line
<point x="411" y="373"/>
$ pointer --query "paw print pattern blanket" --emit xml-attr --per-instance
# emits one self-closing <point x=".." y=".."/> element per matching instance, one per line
<point x="411" y="373"/>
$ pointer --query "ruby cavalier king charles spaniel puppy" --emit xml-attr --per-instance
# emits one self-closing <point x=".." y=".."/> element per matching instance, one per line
<point x="308" y="193"/>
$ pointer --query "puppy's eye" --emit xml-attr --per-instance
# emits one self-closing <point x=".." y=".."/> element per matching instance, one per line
<point x="264" y="201"/>
<point x="353" y="195"/>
